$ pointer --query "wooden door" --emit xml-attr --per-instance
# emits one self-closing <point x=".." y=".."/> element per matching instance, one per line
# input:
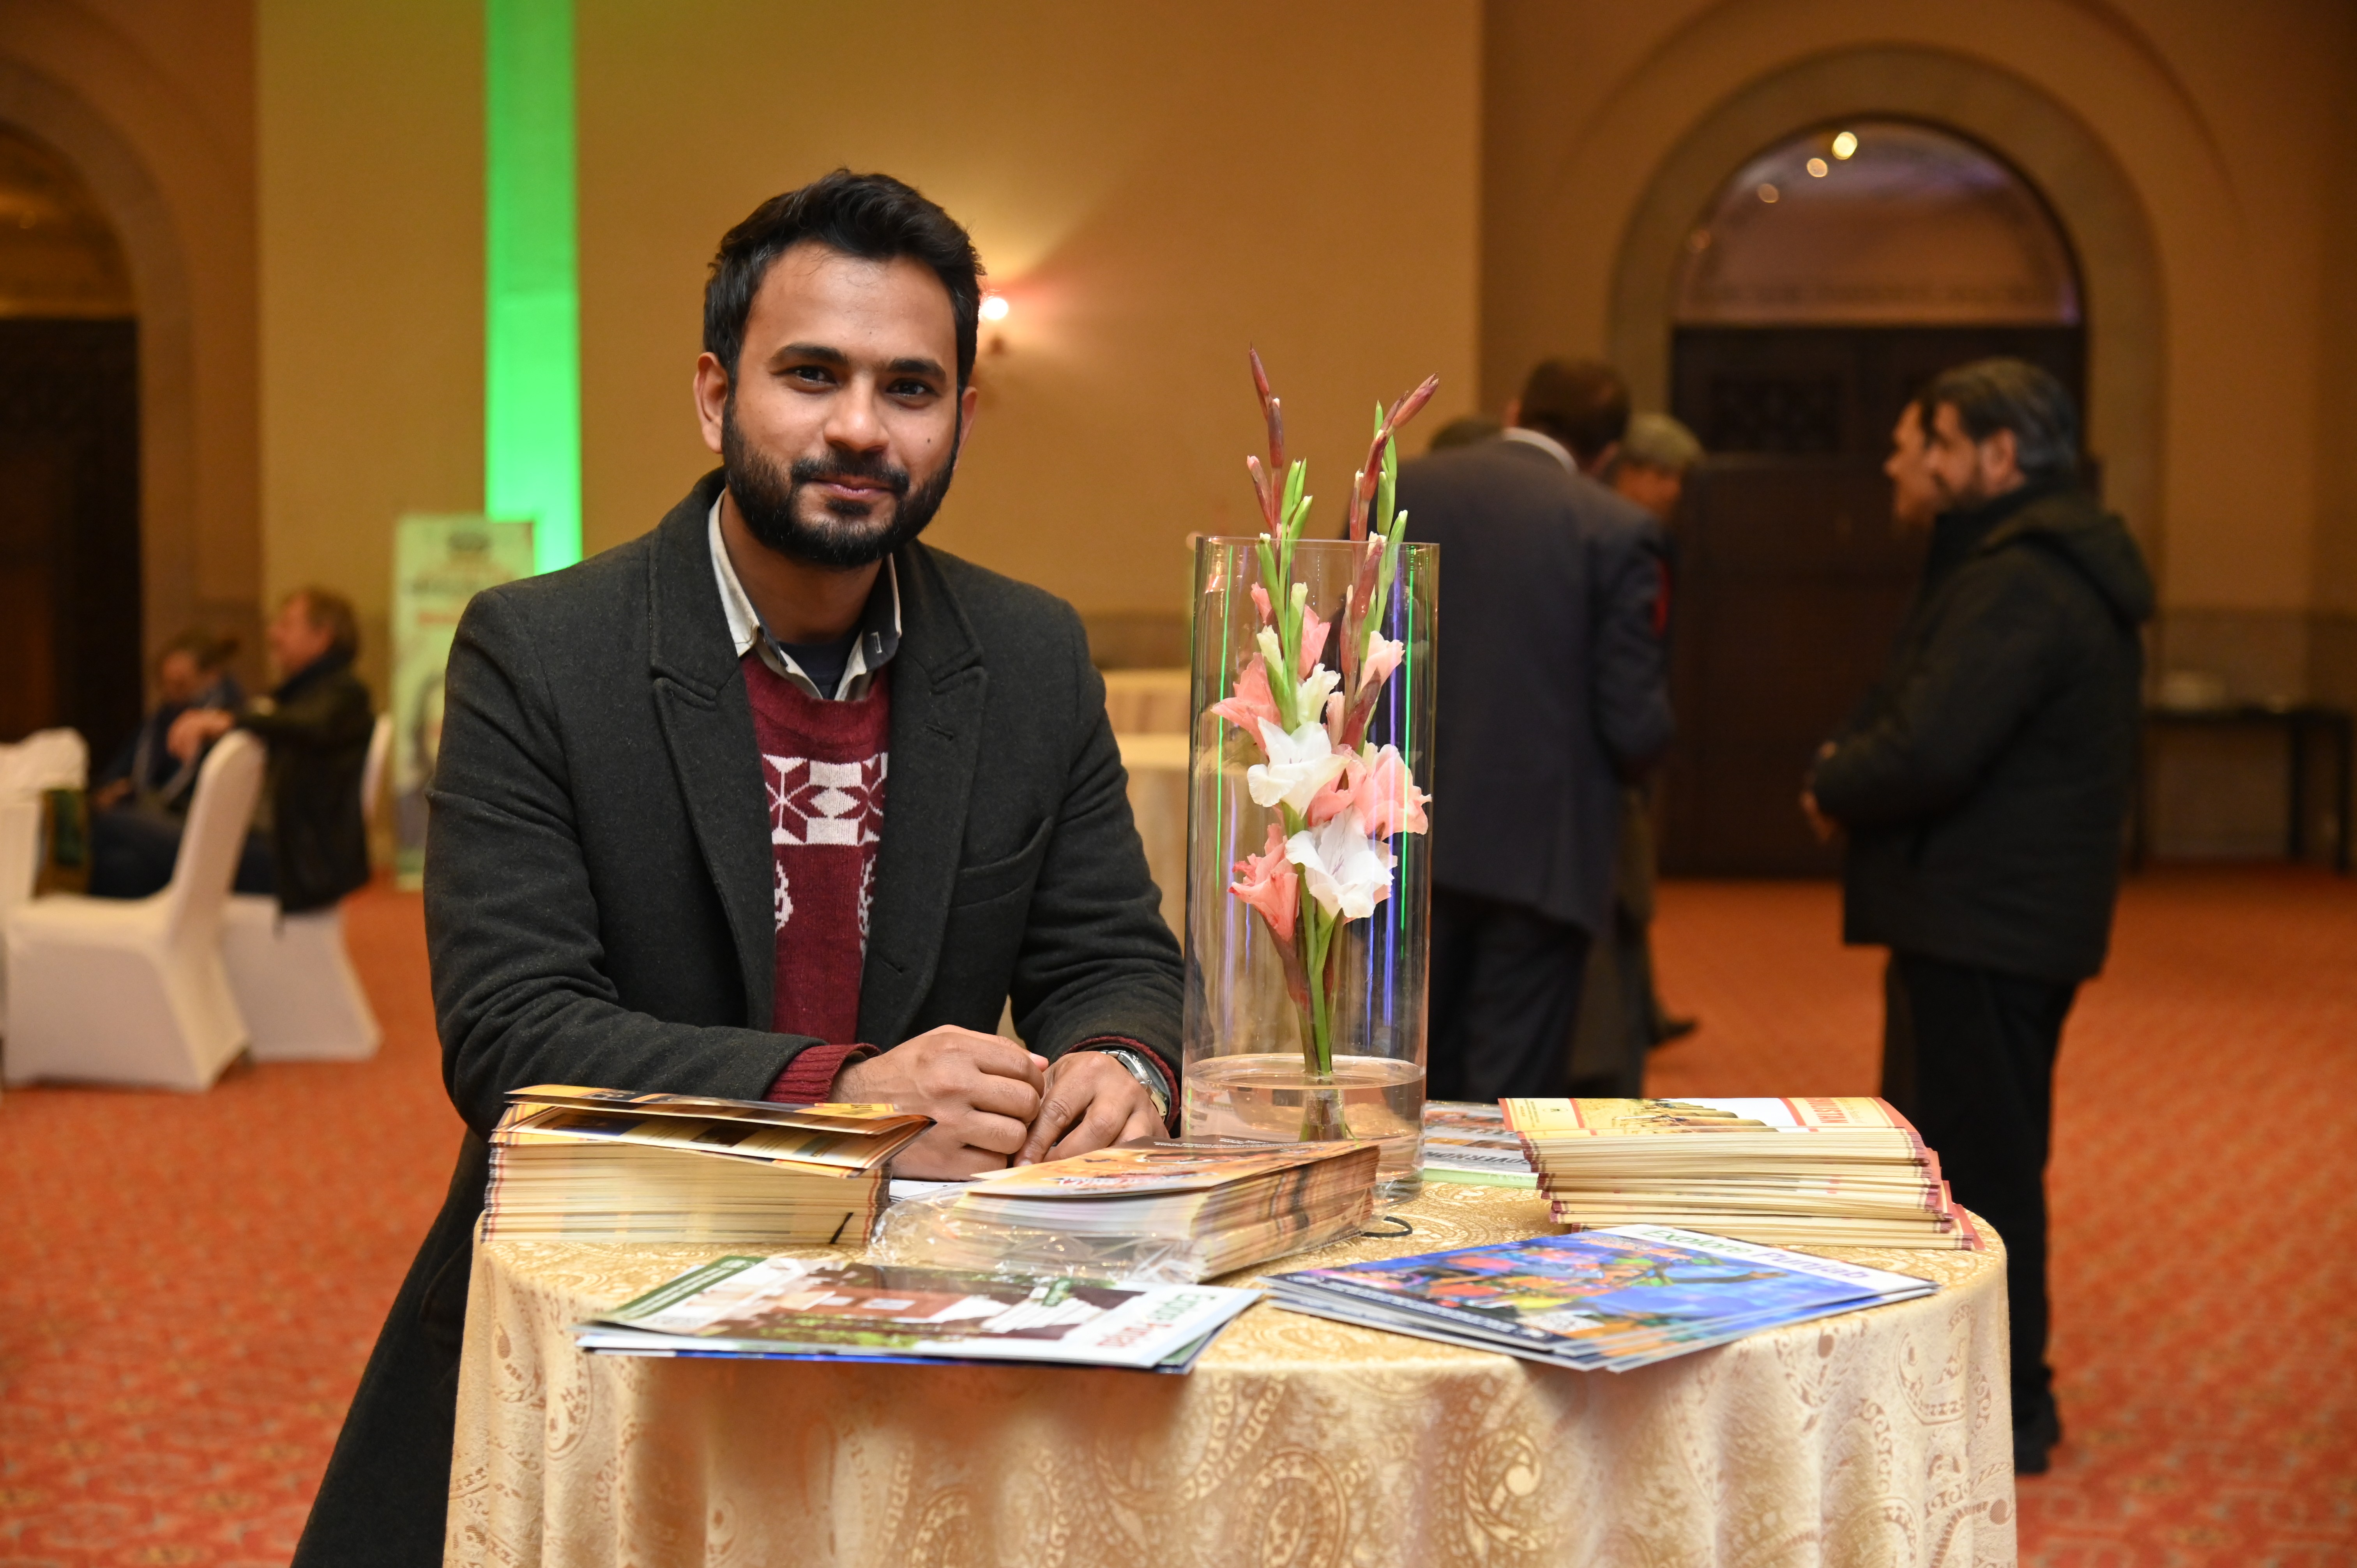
<point x="70" y="628"/>
<point x="1792" y="580"/>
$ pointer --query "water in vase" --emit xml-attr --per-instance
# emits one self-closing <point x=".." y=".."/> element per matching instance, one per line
<point x="1274" y="1100"/>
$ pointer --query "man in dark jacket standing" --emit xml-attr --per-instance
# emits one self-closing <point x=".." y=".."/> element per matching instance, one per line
<point x="1984" y="786"/>
<point x="1552" y="690"/>
<point x="662" y="853"/>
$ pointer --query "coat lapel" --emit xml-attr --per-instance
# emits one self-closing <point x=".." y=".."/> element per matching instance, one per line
<point x="939" y="686"/>
<point x="707" y="722"/>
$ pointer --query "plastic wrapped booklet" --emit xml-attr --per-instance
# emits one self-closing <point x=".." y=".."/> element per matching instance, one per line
<point x="793" y="1309"/>
<point x="1597" y="1300"/>
<point x="1468" y="1142"/>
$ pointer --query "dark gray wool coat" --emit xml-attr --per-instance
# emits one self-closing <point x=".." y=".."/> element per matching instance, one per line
<point x="1984" y="783"/>
<point x="597" y="897"/>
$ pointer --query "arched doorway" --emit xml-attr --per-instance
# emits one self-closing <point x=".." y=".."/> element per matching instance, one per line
<point x="69" y="546"/>
<point x="1829" y="277"/>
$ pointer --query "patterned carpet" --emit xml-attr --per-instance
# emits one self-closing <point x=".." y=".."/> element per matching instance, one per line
<point x="188" y="1286"/>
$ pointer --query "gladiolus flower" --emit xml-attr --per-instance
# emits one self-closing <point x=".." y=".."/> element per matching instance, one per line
<point x="1314" y="692"/>
<point x="1313" y="640"/>
<point x="1388" y="798"/>
<point x="1268" y="883"/>
<point x="1339" y="793"/>
<point x="1298" y="765"/>
<point x="1253" y="701"/>
<point x="1383" y="658"/>
<point x="1260" y="602"/>
<point x="1348" y="872"/>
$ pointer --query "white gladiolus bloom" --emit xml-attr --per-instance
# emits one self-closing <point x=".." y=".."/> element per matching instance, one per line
<point x="1298" y="765"/>
<point x="1315" y="690"/>
<point x="1347" y="872"/>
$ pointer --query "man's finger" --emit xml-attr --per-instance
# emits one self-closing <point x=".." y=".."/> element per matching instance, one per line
<point x="1000" y="1096"/>
<point x="999" y="1134"/>
<point x="1062" y="1107"/>
<point x="1002" y="1057"/>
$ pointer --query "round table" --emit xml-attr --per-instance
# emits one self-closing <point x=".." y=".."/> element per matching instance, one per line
<point x="1877" y="1437"/>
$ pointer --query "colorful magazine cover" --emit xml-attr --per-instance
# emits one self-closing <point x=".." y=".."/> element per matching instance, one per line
<point x="1469" y="1141"/>
<point x="788" y="1308"/>
<point x="1165" y="1165"/>
<point x="1617" y="1118"/>
<point x="1615" y="1297"/>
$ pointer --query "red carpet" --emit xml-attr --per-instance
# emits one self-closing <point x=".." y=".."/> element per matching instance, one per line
<point x="188" y="1287"/>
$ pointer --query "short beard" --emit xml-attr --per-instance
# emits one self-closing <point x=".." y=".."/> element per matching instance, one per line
<point x="769" y="501"/>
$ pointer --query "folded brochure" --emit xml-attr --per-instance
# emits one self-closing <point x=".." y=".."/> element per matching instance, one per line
<point x="794" y="1309"/>
<point x="1606" y="1300"/>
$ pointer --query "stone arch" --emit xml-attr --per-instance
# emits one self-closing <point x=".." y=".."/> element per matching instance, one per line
<point x="122" y="179"/>
<point x="2089" y="192"/>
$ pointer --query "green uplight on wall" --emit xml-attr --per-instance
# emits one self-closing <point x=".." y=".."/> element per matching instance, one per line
<point x="532" y="296"/>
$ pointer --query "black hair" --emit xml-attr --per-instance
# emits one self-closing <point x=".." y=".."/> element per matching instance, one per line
<point x="1990" y="395"/>
<point x="1583" y="403"/>
<point x="871" y="216"/>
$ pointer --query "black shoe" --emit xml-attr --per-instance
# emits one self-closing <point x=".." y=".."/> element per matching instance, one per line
<point x="2033" y="1438"/>
<point x="1674" y="1029"/>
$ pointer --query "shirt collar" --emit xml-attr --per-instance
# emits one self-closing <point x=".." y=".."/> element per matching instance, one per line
<point x="878" y="633"/>
<point x="1545" y="443"/>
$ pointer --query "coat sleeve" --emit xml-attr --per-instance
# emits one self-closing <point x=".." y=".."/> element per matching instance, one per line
<point x="1096" y="960"/>
<point x="331" y="716"/>
<point x="1633" y="662"/>
<point x="521" y="990"/>
<point x="1981" y="669"/>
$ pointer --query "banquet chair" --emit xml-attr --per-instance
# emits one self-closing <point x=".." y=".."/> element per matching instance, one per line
<point x="293" y="975"/>
<point x="132" y="991"/>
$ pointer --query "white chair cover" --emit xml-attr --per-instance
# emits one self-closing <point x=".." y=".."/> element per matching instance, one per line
<point x="133" y="991"/>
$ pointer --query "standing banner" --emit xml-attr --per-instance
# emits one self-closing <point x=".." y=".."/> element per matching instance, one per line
<point x="440" y="562"/>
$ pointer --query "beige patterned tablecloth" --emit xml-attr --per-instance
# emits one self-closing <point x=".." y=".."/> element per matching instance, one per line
<point x="1877" y="1438"/>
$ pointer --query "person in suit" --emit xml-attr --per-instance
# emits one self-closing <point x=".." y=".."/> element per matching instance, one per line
<point x="1622" y="1018"/>
<point x="776" y="800"/>
<point x="308" y="844"/>
<point x="1553" y="690"/>
<point x="191" y="673"/>
<point x="1983" y="787"/>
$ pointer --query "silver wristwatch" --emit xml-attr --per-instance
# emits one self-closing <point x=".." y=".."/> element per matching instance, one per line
<point x="1148" y="1076"/>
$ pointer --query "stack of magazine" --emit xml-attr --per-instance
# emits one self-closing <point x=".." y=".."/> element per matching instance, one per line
<point x="1467" y="1141"/>
<point x="1599" y="1300"/>
<point x="1803" y="1172"/>
<point x="790" y="1310"/>
<point x="601" y="1164"/>
<point x="1164" y="1209"/>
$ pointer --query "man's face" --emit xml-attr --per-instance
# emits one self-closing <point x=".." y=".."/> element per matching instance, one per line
<point x="295" y="643"/>
<point x="840" y="430"/>
<point x="1655" y="489"/>
<point x="1968" y="473"/>
<point x="177" y="679"/>
<point x="1914" y="498"/>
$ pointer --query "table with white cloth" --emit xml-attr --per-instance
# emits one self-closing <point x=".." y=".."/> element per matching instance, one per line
<point x="1877" y="1437"/>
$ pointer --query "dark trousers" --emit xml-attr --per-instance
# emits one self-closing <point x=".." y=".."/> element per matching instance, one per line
<point x="1968" y="1055"/>
<point x="132" y="854"/>
<point x="1505" y="990"/>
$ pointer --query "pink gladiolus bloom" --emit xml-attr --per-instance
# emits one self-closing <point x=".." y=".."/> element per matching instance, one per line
<point x="1313" y="640"/>
<point x="1388" y="799"/>
<point x="1260" y="602"/>
<point x="1383" y="658"/>
<point x="1253" y="701"/>
<point x="1270" y="884"/>
<point x="1340" y="794"/>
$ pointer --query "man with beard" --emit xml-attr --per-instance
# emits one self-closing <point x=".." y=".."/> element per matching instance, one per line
<point x="661" y="854"/>
<point x="1984" y="786"/>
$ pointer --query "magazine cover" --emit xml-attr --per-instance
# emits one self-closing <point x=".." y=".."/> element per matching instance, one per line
<point x="1573" y="1117"/>
<point x="1637" y="1289"/>
<point x="866" y="1120"/>
<point x="792" y="1308"/>
<point x="829" y="1153"/>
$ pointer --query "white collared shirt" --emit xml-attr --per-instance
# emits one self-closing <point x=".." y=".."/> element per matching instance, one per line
<point x="1545" y="443"/>
<point x="870" y="652"/>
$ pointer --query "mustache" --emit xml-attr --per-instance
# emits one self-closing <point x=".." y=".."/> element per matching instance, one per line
<point x="869" y="467"/>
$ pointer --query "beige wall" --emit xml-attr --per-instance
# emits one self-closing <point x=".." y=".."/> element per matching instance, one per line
<point x="2214" y="114"/>
<point x="153" y="101"/>
<point x="372" y="267"/>
<point x="1154" y="186"/>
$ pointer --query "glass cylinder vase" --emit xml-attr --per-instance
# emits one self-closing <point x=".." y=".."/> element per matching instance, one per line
<point x="1308" y="849"/>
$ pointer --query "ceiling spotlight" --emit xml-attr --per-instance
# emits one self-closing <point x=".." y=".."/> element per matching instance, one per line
<point x="1845" y="144"/>
<point x="1817" y="167"/>
<point x="994" y="307"/>
<point x="1767" y="193"/>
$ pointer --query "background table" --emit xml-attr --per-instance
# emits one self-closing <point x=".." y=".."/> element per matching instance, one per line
<point x="1880" y="1437"/>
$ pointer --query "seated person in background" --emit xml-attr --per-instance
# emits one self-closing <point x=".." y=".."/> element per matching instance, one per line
<point x="191" y="673"/>
<point x="660" y="855"/>
<point x="308" y="844"/>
